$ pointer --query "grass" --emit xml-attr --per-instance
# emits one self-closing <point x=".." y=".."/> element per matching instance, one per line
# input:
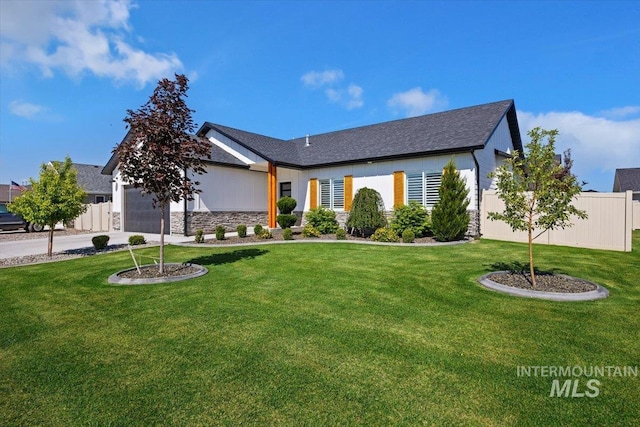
<point x="315" y="334"/>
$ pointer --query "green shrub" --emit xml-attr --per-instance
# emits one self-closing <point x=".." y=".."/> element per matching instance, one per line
<point x="449" y="217"/>
<point x="286" y="205"/>
<point x="199" y="235"/>
<point x="257" y="230"/>
<point x="286" y="220"/>
<point x="265" y="234"/>
<point x="220" y="231"/>
<point x="310" y="231"/>
<point x="287" y="234"/>
<point x="341" y="234"/>
<point x="367" y="212"/>
<point x="242" y="230"/>
<point x="137" y="239"/>
<point x="323" y="219"/>
<point x="408" y="236"/>
<point x="413" y="216"/>
<point x="100" y="242"/>
<point x="385" y="235"/>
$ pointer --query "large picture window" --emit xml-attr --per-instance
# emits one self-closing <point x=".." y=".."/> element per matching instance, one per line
<point x="332" y="193"/>
<point x="422" y="187"/>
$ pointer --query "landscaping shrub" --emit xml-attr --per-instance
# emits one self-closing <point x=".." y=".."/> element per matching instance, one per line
<point x="286" y="220"/>
<point x="199" y="235"/>
<point x="287" y="234"/>
<point x="341" y="234"/>
<point x="265" y="234"/>
<point x="220" y="231"/>
<point x="323" y="219"/>
<point x="413" y="216"/>
<point x="257" y="230"/>
<point x="367" y="212"/>
<point x="242" y="230"/>
<point x="385" y="235"/>
<point x="408" y="236"/>
<point x="137" y="239"/>
<point x="310" y="231"/>
<point x="449" y="217"/>
<point x="100" y="242"/>
<point x="287" y="204"/>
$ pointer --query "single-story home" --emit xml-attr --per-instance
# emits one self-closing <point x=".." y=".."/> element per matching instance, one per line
<point x="401" y="159"/>
<point x="627" y="180"/>
<point x="97" y="185"/>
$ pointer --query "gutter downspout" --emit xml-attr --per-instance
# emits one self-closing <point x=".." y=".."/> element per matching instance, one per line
<point x="478" y="193"/>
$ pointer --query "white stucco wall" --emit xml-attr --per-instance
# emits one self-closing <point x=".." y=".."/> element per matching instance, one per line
<point x="229" y="189"/>
<point x="487" y="159"/>
<point x="377" y="175"/>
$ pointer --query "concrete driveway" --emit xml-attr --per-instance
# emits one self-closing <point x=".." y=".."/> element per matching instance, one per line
<point x="10" y="249"/>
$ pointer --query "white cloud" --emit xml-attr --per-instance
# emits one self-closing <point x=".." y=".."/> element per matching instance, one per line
<point x="322" y="78"/>
<point x="79" y="37"/>
<point x="621" y="113"/>
<point x="598" y="144"/>
<point x="349" y="97"/>
<point x="415" y="102"/>
<point x="25" y="109"/>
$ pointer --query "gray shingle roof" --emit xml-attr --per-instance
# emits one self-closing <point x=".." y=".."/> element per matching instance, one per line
<point x="90" y="178"/>
<point x="450" y="131"/>
<point x="627" y="179"/>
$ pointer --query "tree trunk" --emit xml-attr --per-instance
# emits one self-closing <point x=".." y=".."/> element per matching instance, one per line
<point x="531" y="269"/>
<point x="161" y="264"/>
<point x="50" y="245"/>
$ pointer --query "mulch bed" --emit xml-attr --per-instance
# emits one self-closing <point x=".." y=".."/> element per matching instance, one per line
<point x="10" y="236"/>
<point x="545" y="282"/>
<point x="151" y="271"/>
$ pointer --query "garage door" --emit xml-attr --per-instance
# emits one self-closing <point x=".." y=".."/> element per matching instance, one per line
<point x="139" y="214"/>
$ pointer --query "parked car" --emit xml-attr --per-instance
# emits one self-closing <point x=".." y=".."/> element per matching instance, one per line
<point x="11" y="221"/>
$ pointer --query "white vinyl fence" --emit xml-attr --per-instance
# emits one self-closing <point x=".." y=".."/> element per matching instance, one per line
<point x="96" y="218"/>
<point x="608" y="226"/>
<point x="636" y="214"/>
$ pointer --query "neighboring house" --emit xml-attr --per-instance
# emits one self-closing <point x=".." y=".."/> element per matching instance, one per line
<point x="401" y="159"/>
<point x="97" y="185"/>
<point x="627" y="180"/>
<point x="8" y="192"/>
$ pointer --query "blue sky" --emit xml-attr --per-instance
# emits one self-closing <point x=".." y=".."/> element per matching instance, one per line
<point x="71" y="69"/>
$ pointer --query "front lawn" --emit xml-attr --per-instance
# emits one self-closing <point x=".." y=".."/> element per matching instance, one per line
<point x="316" y="334"/>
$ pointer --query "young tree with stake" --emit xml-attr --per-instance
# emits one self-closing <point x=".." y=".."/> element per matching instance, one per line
<point x="537" y="190"/>
<point x="160" y="149"/>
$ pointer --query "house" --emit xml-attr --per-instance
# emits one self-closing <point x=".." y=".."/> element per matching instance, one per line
<point x="401" y="159"/>
<point x="8" y="192"/>
<point x="627" y="180"/>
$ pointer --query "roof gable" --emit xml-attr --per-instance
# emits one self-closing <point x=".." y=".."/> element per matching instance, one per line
<point x="627" y="179"/>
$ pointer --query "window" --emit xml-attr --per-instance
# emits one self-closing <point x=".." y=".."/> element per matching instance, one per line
<point x="285" y="189"/>
<point x="99" y="199"/>
<point x="332" y="193"/>
<point x="423" y="187"/>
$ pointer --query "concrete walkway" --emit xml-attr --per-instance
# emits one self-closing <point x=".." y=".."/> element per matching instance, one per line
<point x="10" y="249"/>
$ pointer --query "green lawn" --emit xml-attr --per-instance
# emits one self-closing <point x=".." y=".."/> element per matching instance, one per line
<point x="315" y="334"/>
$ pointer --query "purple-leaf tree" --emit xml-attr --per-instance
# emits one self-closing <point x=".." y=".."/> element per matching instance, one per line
<point x="160" y="150"/>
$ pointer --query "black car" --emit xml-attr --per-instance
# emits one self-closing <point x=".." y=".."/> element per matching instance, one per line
<point x="11" y="221"/>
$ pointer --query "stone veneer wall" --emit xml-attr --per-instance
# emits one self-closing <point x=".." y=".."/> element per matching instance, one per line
<point x="208" y="221"/>
<point x="115" y="221"/>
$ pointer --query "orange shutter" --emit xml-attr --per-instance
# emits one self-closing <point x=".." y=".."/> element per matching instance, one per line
<point x="313" y="193"/>
<point x="272" y="194"/>
<point x="398" y="188"/>
<point x="348" y="192"/>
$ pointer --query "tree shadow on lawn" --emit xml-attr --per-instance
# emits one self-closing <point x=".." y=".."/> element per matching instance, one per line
<point x="228" y="257"/>
<point x="517" y="267"/>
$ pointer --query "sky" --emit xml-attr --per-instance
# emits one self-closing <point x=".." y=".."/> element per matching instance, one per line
<point x="70" y="70"/>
